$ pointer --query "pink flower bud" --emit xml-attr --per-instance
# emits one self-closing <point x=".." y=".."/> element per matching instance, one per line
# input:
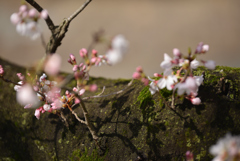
<point x="176" y="52"/>
<point x="93" y="88"/>
<point x="93" y="60"/>
<point x="195" y="101"/>
<point x="139" y="69"/>
<point x="75" y="89"/>
<point x="83" y="52"/>
<point x="77" y="101"/>
<point x="157" y="75"/>
<point x="44" y="14"/>
<point x="1" y="70"/>
<point x="136" y="75"/>
<point x="67" y="92"/>
<point x="94" y="52"/>
<point x="205" y="48"/>
<point x="84" y="67"/>
<point x="32" y="13"/>
<point x="80" y="65"/>
<point x="72" y="57"/>
<point x="70" y="61"/>
<point x="23" y="8"/>
<point x="81" y="92"/>
<point x="75" y="68"/>
<point x="46" y="107"/>
<point x="15" y="19"/>
<point x="37" y="113"/>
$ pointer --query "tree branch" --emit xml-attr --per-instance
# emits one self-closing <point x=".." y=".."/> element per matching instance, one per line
<point x="79" y="10"/>
<point x="48" y="20"/>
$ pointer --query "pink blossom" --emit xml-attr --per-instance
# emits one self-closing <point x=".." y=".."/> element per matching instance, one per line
<point x="81" y="92"/>
<point x="44" y="14"/>
<point x="93" y="88"/>
<point x="176" y="52"/>
<point x="120" y="43"/>
<point x="75" y="68"/>
<point x="75" y="89"/>
<point x="53" y="64"/>
<point x="195" y="101"/>
<point x="168" y="80"/>
<point x="114" y="56"/>
<point x="37" y="113"/>
<point x="77" y="101"/>
<point x="46" y="107"/>
<point x="205" y="48"/>
<point x="72" y="57"/>
<point x="1" y="70"/>
<point x="32" y="12"/>
<point x="57" y="104"/>
<point x="189" y="86"/>
<point x="23" y="8"/>
<point x="153" y="88"/>
<point x="32" y="30"/>
<point x="83" y="52"/>
<point x="136" y="75"/>
<point x="194" y="64"/>
<point x="94" y="52"/>
<point x="26" y="95"/>
<point x="210" y="64"/>
<point x="167" y="63"/>
<point x="15" y="19"/>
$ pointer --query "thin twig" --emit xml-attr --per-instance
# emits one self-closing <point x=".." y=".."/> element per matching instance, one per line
<point x="43" y="42"/>
<point x="48" y="20"/>
<point x="76" y="116"/>
<point x="64" y="118"/>
<point x="87" y="120"/>
<point x="79" y="10"/>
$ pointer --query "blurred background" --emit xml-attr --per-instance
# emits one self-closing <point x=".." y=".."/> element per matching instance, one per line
<point x="152" y="27"/>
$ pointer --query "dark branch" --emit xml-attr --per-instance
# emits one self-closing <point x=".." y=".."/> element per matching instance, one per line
<point x="49" y="21"/>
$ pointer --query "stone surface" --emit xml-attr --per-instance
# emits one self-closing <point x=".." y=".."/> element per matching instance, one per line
<point x="132" y="125"/>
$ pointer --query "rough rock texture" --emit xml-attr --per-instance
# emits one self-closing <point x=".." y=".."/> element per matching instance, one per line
<point x="132" y="125"/>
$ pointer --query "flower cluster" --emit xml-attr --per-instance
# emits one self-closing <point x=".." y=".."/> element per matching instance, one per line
<point x="226" y="149"/>
<point x="183" y="80"/>
<point x="26" y="21"/>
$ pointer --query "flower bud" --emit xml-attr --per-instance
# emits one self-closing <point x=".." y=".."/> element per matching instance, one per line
<point x="136" y="75"/>
<point x="1" y="70"/>
<point x="44" y="14"/>
<point x="195" y="101"/>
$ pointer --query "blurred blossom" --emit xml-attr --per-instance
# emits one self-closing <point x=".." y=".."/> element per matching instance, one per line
<point x="53" y="64"/>
<point x="226" y="149"/>
<point x="26" y="95"/>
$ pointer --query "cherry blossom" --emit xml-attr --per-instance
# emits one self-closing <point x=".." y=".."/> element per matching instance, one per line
<point x="168" y="80"/>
